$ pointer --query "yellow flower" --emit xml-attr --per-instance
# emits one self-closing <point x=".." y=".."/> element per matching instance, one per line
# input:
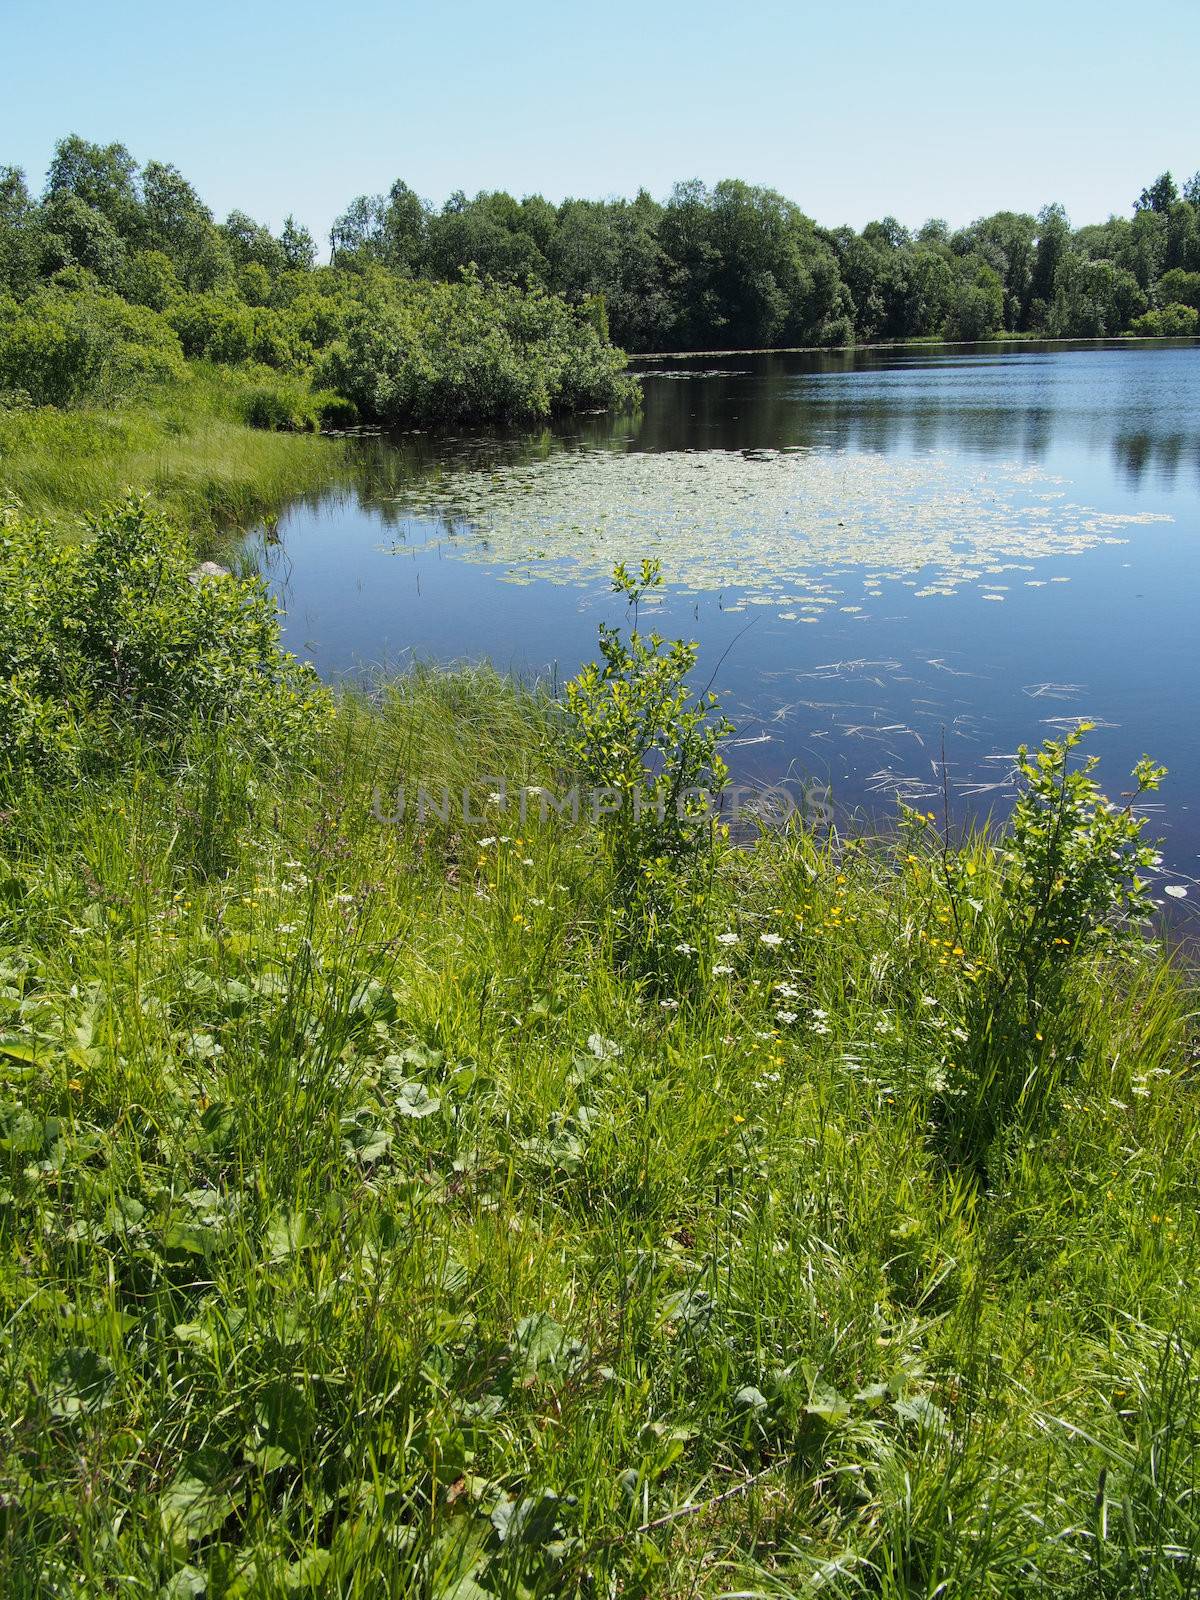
<point x="736" y="1118"/>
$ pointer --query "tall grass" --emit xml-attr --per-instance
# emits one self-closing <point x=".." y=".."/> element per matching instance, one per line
<point x="369" y="1229"/>
<point x="189" y="444"/>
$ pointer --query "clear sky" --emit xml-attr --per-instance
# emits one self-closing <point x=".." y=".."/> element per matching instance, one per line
<point x="914" y="107"/>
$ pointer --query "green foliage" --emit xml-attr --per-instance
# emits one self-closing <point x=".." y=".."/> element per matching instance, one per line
<point x="368" y="1228"/>
<point x="1180" y="288"/>
<point x="61" y="348"/>
<point x="648" y="750"/>
<point x="1168" y="322"/>
<point x="118" y="637"/>
<point x="1070" y="892"/>
<point x="443" y="352"/>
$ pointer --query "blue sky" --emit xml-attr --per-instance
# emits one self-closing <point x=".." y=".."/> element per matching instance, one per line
<point x="854" y="109"/>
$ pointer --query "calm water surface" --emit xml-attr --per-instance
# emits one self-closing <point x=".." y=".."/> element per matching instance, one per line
<point x="880" y="550"/>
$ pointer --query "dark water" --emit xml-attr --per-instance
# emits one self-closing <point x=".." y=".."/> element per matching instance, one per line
<point x="882" y="550"/>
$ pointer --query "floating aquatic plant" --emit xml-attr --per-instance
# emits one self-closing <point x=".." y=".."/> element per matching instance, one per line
<point x="798" y="530"/>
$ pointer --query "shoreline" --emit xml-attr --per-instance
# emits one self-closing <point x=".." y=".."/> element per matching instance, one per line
<point x="901" y="344"/>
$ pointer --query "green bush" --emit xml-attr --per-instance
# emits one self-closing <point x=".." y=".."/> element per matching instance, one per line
<point x="119" y="636"/>
<point x="61" y="348"/>
<point x="1071" y="890"/>
<point x="1169" y="322"/>
<point x="650" y="752"/>
<point x="445" y="352"/>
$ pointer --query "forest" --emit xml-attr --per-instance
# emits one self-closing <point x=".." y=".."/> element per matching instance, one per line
<point x="729" y="266"/>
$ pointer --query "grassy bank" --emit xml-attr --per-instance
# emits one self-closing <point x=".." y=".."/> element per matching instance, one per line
<point x="397" y="1207"/>
<point x="188" y="444"/>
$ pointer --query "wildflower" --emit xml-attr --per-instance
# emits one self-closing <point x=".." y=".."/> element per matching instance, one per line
<point x="789" y="991"/>
<point x="669" y="1005"/>
<point x="737" y="1118"/>
<point x="786" y="1016"/>
<point x="728" y="938"/>
<point x="772" y="939"/>
<point x="483" y="843"/>
<point x="685" y="949"/>
<point x="518" y="918"/>
<point x="285" y="927"/>
<point x="722" y="972"/>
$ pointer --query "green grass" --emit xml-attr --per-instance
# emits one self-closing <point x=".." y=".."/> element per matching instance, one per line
<point x="187" y="445"/>
<point x="367" y="1230"/>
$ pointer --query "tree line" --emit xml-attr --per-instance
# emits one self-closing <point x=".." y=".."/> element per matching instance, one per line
<point x="732" y="265"/>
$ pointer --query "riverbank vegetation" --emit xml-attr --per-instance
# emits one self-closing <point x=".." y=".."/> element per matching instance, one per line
<point x="141" y="342"/>
<point x="398" y="1200"/>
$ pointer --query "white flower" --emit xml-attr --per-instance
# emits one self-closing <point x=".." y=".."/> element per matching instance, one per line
<point x="789" y="991"/>
<point x="344" y="897"/>
<point x="669" y="1005"/>
<point x="534" y="901"/>
<point x="286" y="927"/>
<point x="728" y="938"/>
<point x="773" y="939"/>
<point x="786" y="1016"/>
<point x="819" y="1014"/>
<point x="496" y="797"/>
<point x="819" y="1027"/>
<point x="685" y="949"/>
<point x="526" y="861"/>
<point x="722" y="972"/>
<point x="1177" y="891"/>
<point x="483" y="843"/>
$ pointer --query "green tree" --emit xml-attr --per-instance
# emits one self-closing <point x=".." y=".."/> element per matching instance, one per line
<point x="1159" y="196"/>
<point x="297" y="245"/>
<point x="103" y="177"/>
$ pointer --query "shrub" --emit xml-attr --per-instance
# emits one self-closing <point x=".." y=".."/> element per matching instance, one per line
<point x="1070" y="889"/>
<point x="443" y="352"/>
<point x="118" y="636"/>
<point x="649" y="749"/>
<point x="1169" y="322"/>
<point x="149" y="280"/>
<point x="62" y="348"/>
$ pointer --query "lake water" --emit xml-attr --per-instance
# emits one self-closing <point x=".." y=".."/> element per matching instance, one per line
<point x="878" y="552"/>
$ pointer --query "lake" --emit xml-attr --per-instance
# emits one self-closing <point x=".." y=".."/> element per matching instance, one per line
<point x="881" y="552"/>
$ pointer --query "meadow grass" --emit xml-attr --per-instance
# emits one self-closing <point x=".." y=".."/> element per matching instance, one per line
<point x="369" y="1230"/>
<point x="187" y="444"/>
